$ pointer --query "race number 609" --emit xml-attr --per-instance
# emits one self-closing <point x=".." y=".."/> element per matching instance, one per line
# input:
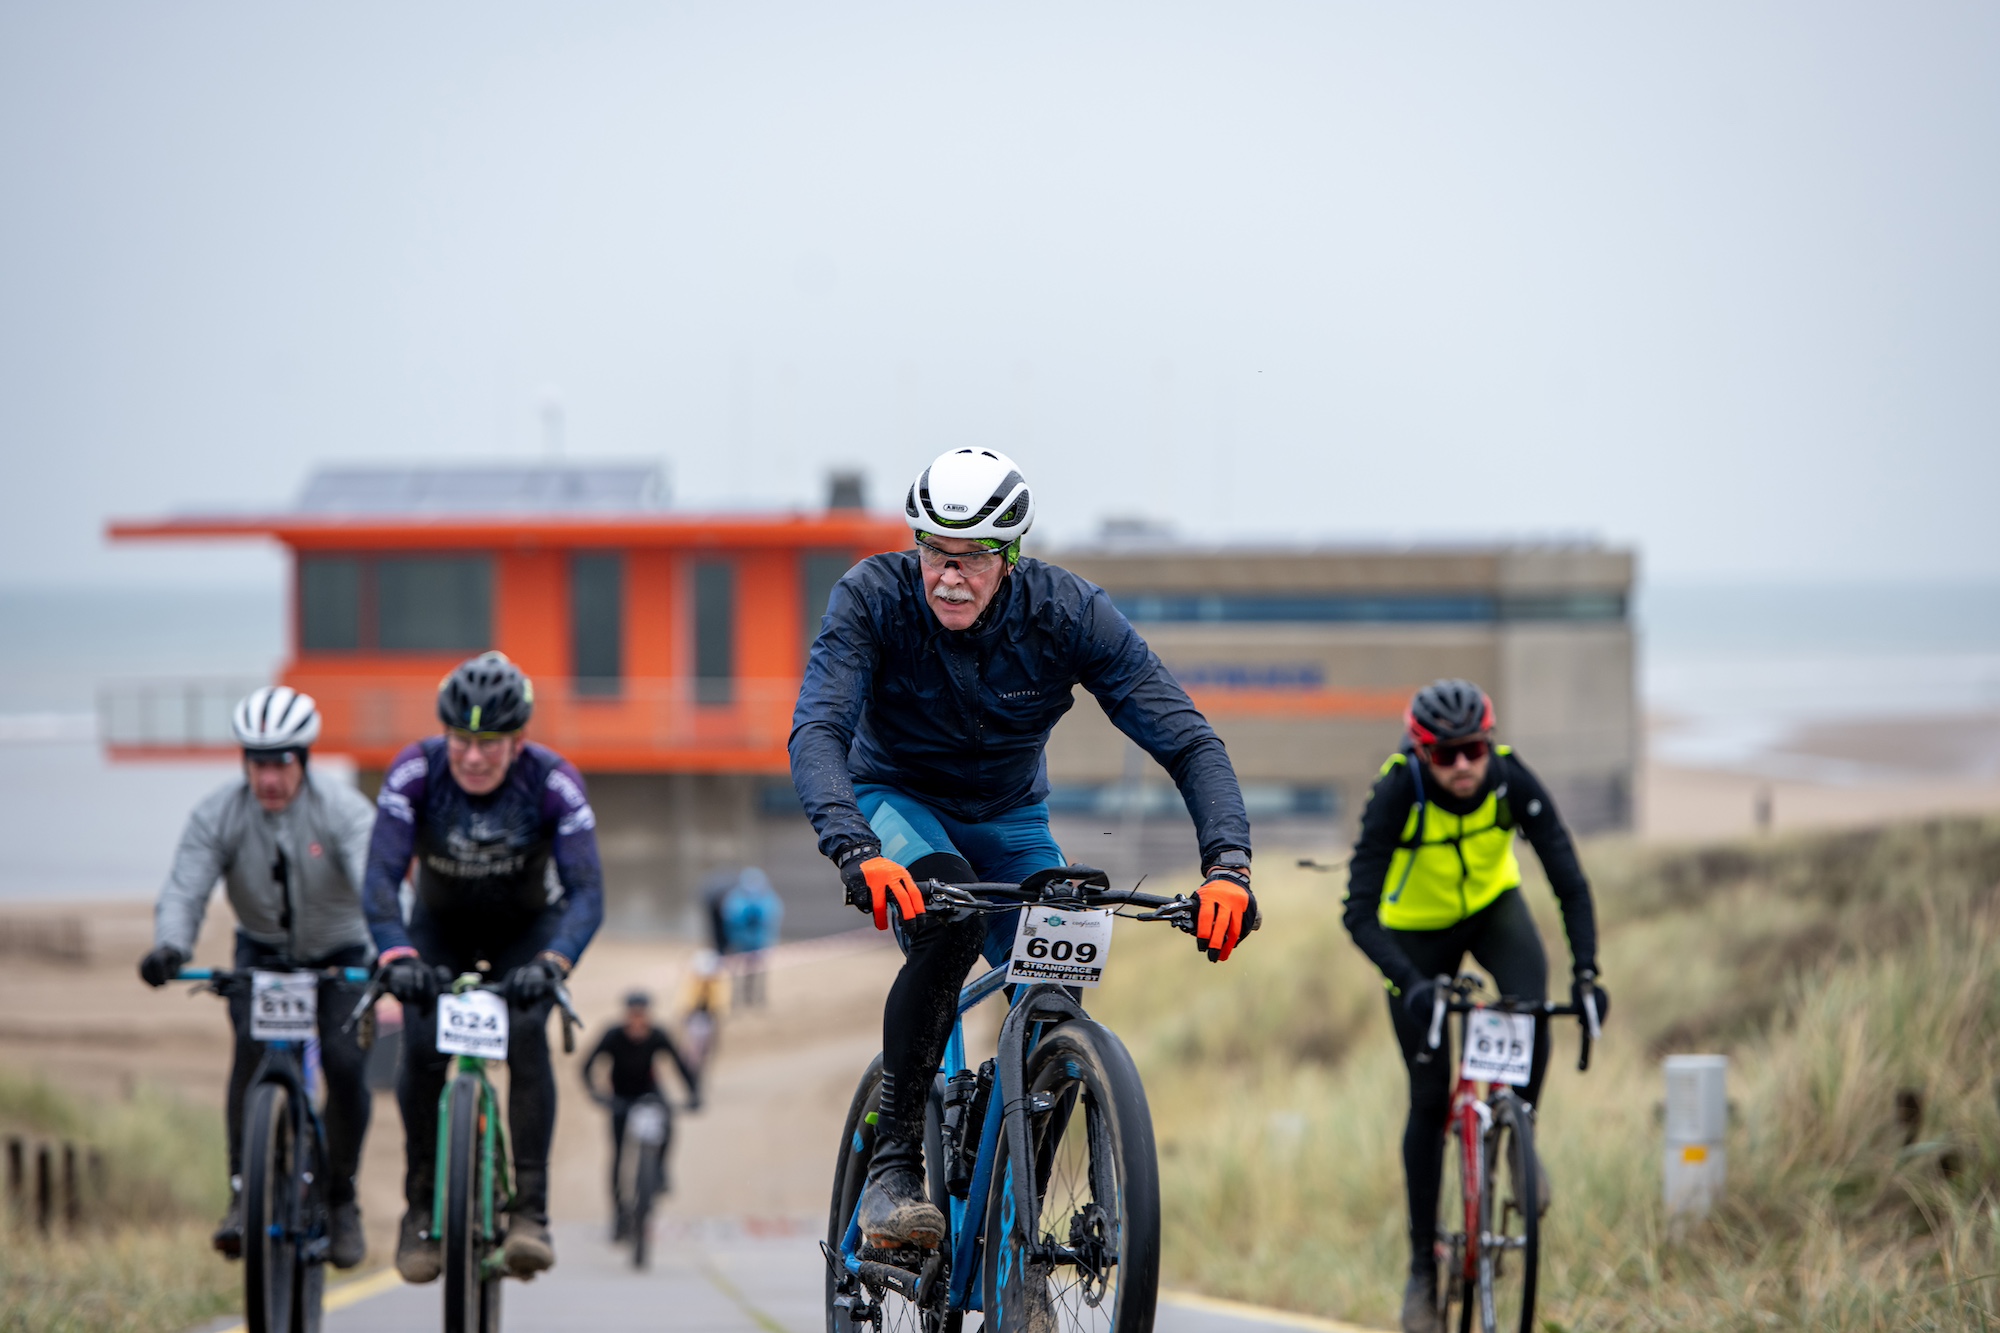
<point x="1062" y="951"/>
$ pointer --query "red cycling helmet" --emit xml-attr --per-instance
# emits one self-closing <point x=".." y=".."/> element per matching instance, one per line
<point x="1448" y="710"/>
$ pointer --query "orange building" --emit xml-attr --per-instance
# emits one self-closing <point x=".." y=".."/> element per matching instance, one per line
<point x="662" y="644"/>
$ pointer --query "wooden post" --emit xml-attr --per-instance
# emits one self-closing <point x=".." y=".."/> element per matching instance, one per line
<point x="72" y="1193"/>
<point x="45" y="1188"/>
<point x="17" y="1179"/>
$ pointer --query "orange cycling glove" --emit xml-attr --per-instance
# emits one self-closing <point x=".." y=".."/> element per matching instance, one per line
<point x="870" y="882"/>
<point x="1228" y="912"/>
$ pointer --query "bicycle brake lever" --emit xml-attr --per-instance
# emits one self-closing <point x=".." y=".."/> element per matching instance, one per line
<point x="1180" y="911"/>
<point x="570" y="1022"/>
<point x="361" y="1006"/>
<point x="1437" y="1017"/>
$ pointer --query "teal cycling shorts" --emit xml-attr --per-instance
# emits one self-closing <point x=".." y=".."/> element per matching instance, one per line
<point x="1005" y="849"/>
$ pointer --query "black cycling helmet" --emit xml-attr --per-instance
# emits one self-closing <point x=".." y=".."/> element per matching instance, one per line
<point x="638" y="999"/>
<point x="486" y="693"/>
<point x="1448" y="710"/>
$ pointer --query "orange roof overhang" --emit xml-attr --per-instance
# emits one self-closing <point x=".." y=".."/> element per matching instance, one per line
<point x="425" y="532"/>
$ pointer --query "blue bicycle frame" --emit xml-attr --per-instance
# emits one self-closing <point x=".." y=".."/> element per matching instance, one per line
<point x="292" y="1073"/>
<point x="1033" y="1006"/>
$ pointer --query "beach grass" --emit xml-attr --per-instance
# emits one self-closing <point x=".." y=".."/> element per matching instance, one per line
<point x="140" y="1260"/>
<point x="1836" y="971"/>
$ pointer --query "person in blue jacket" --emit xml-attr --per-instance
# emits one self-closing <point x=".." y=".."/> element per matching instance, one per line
<point x="917" y="751"/>
<point x="489" y="818"/>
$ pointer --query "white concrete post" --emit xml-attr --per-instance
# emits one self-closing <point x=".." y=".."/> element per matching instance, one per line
<point x="1697" y="1119"/>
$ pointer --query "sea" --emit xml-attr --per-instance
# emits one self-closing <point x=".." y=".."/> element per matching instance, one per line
<point x="1736" y="676"/>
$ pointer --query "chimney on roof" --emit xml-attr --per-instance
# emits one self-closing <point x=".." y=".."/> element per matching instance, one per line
<point x="843" y="491"/>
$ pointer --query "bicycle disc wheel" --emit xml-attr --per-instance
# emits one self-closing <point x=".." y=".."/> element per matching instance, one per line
<point x="463" y="1244"/>
<point x="270" y="1208"/>
<point x="1509" y="1253"/>
<point x="1457" y="1219"/>
<point x="850" y="1173"/>
<point x="1093" y="1265"/>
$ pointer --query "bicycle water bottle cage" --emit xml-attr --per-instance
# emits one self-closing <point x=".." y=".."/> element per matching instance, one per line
<point x="1083" y="877"/>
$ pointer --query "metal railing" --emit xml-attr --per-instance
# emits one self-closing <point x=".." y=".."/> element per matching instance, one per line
<point x="633" y="716"/>
<point x="187" y="714"/>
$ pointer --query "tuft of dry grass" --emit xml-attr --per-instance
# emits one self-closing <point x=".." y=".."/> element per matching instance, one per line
<point x="143" y="1260"/>
<point x="1835" y="970"/>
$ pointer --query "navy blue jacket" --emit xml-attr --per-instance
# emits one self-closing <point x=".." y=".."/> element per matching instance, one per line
<point x="485" y="858"/>
<point x="960" y="719"/>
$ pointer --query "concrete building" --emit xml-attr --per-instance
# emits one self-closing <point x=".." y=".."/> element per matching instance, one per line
<point x="1304" y="659"/>
<point x="667" y="647"/>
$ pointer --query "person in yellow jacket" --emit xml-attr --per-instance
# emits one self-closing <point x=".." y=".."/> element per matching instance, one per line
<point x="1433" y="878"/>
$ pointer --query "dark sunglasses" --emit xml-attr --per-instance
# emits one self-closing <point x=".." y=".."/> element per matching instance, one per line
<point x="1447" y="756"/>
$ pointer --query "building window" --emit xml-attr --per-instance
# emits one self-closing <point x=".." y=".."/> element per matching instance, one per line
<point x="597" y="622"/>
<point x="818" y="572"/>
<point x="329" y="603"/>
<point x="433" y="603"/>
<point x="714" y="632"/>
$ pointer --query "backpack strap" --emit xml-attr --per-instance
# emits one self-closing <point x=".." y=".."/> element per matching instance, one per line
<point x="1414" y="840"/>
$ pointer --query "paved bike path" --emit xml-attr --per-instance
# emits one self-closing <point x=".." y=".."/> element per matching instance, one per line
<point x="711" y="1278"/>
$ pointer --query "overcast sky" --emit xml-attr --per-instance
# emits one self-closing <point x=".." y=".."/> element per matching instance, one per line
<point x="1719" y="281"/>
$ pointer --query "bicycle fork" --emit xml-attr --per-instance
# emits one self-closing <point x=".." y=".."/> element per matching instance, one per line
<point x="491" y="1177"/>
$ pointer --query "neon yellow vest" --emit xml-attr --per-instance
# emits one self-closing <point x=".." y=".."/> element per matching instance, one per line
<point x="1453" y="866"/>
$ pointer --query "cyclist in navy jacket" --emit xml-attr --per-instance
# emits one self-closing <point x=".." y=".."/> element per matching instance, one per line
<point x="506" y="872"/>
<point x="917" y="751"/>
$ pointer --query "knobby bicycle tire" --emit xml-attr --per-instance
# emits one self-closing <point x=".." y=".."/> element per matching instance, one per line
<point x="850" y="1171"/>
<point x="1509" y="1261"/>
<point x="648" y="1178"/>
<point x="1097" y="1183"/>
<point x="471" y="1300"/>
<point x="271" y="1170"/>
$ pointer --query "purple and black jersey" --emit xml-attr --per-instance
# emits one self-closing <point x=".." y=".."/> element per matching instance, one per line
<point x="485" y="858"/>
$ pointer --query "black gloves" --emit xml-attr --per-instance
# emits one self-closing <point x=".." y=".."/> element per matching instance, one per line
<point x="411" y="980"/>
<point x="531" y="983"/>
<point x="158" y="967"/>
<point x="1585" y="979"/>
<point x="852" y="877"/>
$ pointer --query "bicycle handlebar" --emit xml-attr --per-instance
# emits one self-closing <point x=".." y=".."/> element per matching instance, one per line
<point x="570" y="1021"/>
<point x="219" y="976"/>
<point x="960" y="899"/>
<point x="1442" y="1004"/>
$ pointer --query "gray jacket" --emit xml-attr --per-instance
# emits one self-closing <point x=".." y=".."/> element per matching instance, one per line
<point x="314" y="910"/>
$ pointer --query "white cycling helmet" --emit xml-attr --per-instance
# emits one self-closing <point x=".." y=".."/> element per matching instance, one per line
<point x="971" y="493"/>
<point x="276" y="717"/>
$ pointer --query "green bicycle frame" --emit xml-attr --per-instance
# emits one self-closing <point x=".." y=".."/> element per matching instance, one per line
<point x="495" y="1182"/>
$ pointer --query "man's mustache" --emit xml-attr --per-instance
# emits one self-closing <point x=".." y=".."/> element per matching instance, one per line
<point x="945" y="592"/>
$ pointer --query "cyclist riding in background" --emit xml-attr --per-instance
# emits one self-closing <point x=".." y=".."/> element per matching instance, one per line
<point x="490" y="818"/>
<point x="1434" y="877"/>
<point x="917" y="750"/>
<point x="290" y="847"/>
<point x="630" y="1049"/>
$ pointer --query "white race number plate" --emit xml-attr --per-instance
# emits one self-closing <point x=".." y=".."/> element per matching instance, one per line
<point x="1056" y="944"/>
<point x="474" y="1023"/>
<point x="284" y="1006"/>
<point x="647" y="1122"/>
<point x="1499" y="1047"/>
